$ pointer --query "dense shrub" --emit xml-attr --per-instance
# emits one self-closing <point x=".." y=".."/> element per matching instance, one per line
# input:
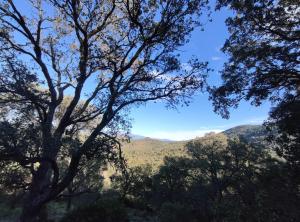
<point x="176" y="212"/>
<point x="102" y="211"/>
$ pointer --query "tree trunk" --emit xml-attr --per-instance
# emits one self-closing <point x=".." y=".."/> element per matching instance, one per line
<point x="34" y="205"/>
<point x="43" y="189"/>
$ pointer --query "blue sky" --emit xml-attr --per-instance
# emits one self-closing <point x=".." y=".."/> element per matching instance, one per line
<point x="154" y="120"/>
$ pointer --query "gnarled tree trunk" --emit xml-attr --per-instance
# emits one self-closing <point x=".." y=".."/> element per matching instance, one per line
<point x="34" y="204"/>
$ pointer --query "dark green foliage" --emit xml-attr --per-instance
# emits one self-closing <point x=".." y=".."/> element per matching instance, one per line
<point x="176" y="212"/>
<point x="9" y="207"/>
<point x="286" y="118"/>
<point x="264" y="49"/>
<point x="104" y="211"/>
<point x="221" y="179"/>
<point x="136" y="182"/>
<point x="277" y="194"/>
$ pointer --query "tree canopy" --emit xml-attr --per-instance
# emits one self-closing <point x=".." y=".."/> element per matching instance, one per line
<point x="263" y="49"/>
<point x="104" y="56"/>
<point x="220" y="179"/>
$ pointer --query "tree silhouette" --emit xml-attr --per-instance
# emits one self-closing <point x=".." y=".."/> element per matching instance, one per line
<point x="263" y="49"/>
<point x="104" y="55"/>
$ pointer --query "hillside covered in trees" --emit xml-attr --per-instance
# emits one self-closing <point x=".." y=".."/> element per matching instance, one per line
<point x="143" y="151"/>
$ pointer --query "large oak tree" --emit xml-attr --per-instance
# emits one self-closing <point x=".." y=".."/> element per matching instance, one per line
<point x="104" y="56"/>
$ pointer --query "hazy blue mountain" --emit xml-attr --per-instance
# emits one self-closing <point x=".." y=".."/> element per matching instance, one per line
<point x="140" y="137"/>
<point x="136" y="137"/>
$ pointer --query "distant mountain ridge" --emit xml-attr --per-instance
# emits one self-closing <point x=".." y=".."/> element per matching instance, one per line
<point x="247" y="131"/>
<point x="252" y="133"/>
<point x="140" y="137"/>
<point x="144" y="150"/>
<point x="136" y="137"/>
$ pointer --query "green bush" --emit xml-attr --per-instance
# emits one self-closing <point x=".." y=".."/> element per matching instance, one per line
<point x="102" y="211"/>
<point x="175" y="212"/>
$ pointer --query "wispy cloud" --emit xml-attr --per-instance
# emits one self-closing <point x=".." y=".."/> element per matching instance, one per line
<point x="216" y="58"/>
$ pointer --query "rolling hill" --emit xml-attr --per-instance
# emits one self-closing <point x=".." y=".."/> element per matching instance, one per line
<point x="145" y="150"/>
<point x="151" y="151"/>
<point x="252" y="133"/>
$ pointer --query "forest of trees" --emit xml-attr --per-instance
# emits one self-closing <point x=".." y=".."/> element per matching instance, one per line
<point x="70" y="72"/>
<point x="221" y="179"/>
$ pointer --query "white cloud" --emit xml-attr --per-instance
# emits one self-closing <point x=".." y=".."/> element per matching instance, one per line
<point x="181" y="135"/>
<point x="216" y="58"/>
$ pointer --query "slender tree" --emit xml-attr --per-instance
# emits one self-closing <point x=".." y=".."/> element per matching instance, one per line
<point x="105" y="56"/>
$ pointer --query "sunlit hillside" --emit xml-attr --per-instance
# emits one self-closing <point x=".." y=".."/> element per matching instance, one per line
<point x="152" y="151"/>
